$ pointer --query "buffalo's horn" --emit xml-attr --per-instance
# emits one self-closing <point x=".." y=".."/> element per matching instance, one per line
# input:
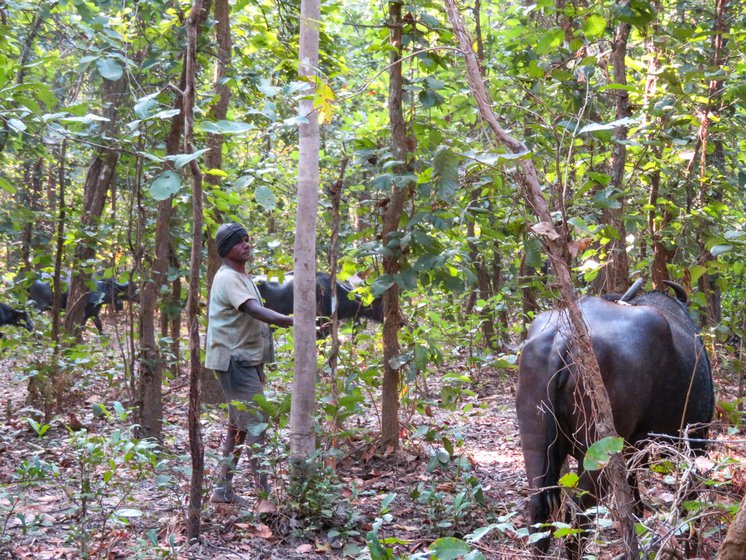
<point x="678" y="290"/>
<point x="632" y="291"/>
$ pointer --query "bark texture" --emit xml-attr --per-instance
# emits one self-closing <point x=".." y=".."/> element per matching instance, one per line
<point x="196" y="447"/>
<point x="303" y="403"/>
<point x="392" y="249"/>
<point x="556" y="246"/>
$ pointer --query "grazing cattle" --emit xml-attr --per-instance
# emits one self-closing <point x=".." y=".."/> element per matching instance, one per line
<point x="107" y="292"/>
<point x="10" y="316"/>
<point x="278" y="296"/>
<point x="656" y="372"/>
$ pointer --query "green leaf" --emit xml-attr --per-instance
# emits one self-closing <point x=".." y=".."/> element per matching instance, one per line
<point x="144" y="107"/>
<point x="128" y="512"/>
<point x="626" y="121"/>
<point x="265" y="197"/>
<point x="449" y="548"/>
<point x="17" y="125"/>
<point x="594" y="26"/>
<point x="445" y="171"/>
<point x="166" y="185"/>
<point x="109" y="68"/>
<point x="599" y="454"/>
<point x="227" y="127"/>
<point x="638" y="12"/>
<point x="550" y="41"/>
<point x="718" y="250"/>
<point x="569" y="480"/>
<point x="381" y="284"/>
<point x="180" y="160"/>
<point x="449" y="397"/>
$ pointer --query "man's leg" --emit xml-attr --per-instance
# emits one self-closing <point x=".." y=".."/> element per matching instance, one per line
<point x="240" y="384"/>
<point x="232" y="447"/>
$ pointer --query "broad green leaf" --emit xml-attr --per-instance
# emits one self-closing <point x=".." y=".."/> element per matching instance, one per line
<point x="381" y="284"/>
<point x="265" y="197"/>
<point x="17" y="125"/>
<point x="448" y="397"/>
<point x="718" y="250"/>
<point x="85" y="119"/>
<point x="696" y="271"/>
<point x="166" y="185"/>
<point x="626" y="121"/>
<point x="180" y="160"/>
<point x="569" y="480"/>
<point x="144" y="107"/>
<point x="6" y="186"/>
<point x="637" y="12"/>
<point x="550" y="40"/>
<point x="128" y="512"/>
<point x="445" y="169"/>
<point x="449" y="548"/>
<point x="109" y="68"/>
<point x="594" y="26"/>
<point x="226" y="127"/>
<point x="599" y="454"/>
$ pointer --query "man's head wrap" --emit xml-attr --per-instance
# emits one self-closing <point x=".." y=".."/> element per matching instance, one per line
<point x="227" y="236"/>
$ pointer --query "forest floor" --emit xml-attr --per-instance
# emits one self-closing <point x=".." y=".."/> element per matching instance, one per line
<point x="81" y="487"/>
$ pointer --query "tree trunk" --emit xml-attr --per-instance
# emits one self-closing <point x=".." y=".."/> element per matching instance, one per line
<point x="196" y="16"/>
<point x="303" y="404"/>
<point x="557" y="248"/>
<point x="150" y="388"/>
<point x="616" y="271"/>
<point x="211" y="391"/>
<point x="98" y="181"/>
<point x="392" y="215"/>
<point x="734" y="545"/>
<point x="712" y="161"/>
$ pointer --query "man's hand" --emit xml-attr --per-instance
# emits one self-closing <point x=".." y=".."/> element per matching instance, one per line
<point x="261" y="313"/>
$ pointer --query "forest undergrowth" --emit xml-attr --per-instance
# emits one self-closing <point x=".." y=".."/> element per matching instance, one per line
<point x="82" y="486"/>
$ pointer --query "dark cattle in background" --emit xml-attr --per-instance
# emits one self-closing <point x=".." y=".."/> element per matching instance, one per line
<point x="10" y="316"/>
<point x="278" y="296"/>
<point x="656" y="371"/>
<point x="107" y="292"/>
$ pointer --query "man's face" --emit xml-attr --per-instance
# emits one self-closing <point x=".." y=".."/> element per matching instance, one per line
<point x="241" y="251"/>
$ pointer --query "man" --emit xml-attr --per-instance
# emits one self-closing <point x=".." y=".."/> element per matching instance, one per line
<point x="239" y="343"/>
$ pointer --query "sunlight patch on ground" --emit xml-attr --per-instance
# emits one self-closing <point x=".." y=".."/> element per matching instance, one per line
<point x="484" y="457"/>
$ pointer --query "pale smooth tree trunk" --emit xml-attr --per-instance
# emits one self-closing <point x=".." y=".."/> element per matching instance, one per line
<point x="303" y="403"/>
<point x="556" y="246"/>
<point x="196" y="446"/>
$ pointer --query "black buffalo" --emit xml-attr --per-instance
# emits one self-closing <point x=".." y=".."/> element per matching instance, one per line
<point x="656" y="371"/>
<point x="106" y="292"/>
<point x="16" y="317"/>
<point x="278" y="296"/>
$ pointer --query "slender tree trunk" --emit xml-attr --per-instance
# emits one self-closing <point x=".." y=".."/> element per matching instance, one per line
<point x="150" y="388"/>
<point x="196" y="447"/>
<point x="335" y="195"/>
<point x="712" y="161"/>
<point x="303" y="404"/>
<point x="617" y="268"/>
<point x="556" y="246"/>
<point x="97" y="184"/>
<point x="211" y="391"/>
<point x="392" y="215"/>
